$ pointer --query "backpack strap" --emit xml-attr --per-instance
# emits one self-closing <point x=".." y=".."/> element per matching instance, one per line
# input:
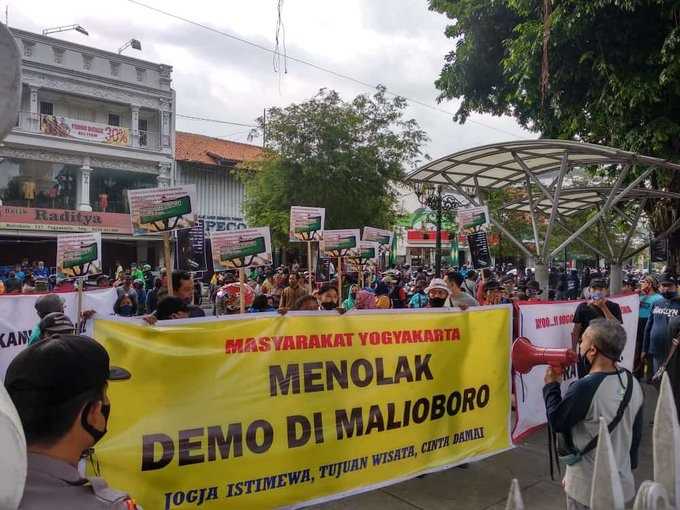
<point x="619" y="414"/>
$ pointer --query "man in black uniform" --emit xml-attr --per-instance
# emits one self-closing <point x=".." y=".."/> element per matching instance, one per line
<point x="59" y="388"/>
<point x="597" y="307"/>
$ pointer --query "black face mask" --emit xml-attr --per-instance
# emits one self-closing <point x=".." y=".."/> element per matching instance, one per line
<point x="96" y="434"/>
<point x="328" y="305"/>
<point x="437" y="302"/>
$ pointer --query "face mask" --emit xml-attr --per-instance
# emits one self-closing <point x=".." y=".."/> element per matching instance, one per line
<point x="437" y="302"/>
<point x="328" y="305"/>
<point x="669" y="294"/>
<point x="597" y="295"/>
<point x="584" y="363"/>
<point x="96" y="434"/>
<point x="126" y="310"/>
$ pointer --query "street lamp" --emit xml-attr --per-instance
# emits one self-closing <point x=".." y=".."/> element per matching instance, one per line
<point x="432" y="197"/>
<point x="54" y="30"/>
<point x="132" y="43"/>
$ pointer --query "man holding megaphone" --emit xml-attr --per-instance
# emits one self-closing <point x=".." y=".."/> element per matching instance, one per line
<point x="605" y="391"/>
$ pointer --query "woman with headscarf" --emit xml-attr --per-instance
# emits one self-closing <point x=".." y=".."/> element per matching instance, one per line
<point x="350" y="302"/>
<point x="365" y="300"/>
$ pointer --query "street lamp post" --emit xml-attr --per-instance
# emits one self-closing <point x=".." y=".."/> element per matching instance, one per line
<point x="433" y="198"/>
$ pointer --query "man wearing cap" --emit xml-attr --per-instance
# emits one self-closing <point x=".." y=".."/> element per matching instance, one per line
<point x="657" y="339"/>
<point x="437" y="293"/>
<point x="493" y="293"/>
<point x="606" y="391"/>
<point x="59" y="388"/>
<point x="597" y="307"/>
<point x="55" y="323"/>
<point x="533" y="291"/>
<point x="45" y="305"/>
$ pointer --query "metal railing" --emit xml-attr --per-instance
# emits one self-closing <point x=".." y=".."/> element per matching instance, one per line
<point x="662" y="493"/>
<point x="36" y="123"/>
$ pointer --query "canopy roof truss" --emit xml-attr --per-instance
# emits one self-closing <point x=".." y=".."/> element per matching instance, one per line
<point x="545" y="169"/>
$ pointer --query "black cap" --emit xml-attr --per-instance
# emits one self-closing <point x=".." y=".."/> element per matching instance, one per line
<point x="535" y="286"/>
<point x="56" y="323"/>
<point x="598" y="284"/>
<point x="53" y="371"/>
<point x="49" y="303"/>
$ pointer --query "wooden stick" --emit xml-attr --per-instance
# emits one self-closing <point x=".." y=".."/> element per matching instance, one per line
<point x="339" y="279"/>
<point x="167" y="257"/>
<point x="241" y="289"/>
<point x="80" y="305"/>
<point x="309" y="265"/>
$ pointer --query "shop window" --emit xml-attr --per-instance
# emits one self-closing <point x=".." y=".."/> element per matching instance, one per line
<point x="108" y="188"/>
<point x="46" y="108"/>
<point x="29" y="183"/>
<point x="114" y="120"/>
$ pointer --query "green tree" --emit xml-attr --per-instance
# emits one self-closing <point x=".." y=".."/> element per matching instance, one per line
<point x="325" y="152"/>
<point x="602" y="71"/>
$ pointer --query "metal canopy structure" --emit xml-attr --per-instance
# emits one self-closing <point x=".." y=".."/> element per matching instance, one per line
<point x="544" y="170"/>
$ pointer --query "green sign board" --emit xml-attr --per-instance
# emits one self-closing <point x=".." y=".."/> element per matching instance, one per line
<point x="311" y="224"/>
<point x="166" y="209"/>
<point x="75" y="258"/>
<point x="342" y="243"/>
<point x="368" y="253"/>
<point x="245" y="248"/>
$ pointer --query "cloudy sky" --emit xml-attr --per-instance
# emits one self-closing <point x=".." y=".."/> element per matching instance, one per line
<point x="398" y="43"/>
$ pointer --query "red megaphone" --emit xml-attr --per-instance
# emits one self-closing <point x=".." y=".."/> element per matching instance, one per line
<point x="525" y="356"/>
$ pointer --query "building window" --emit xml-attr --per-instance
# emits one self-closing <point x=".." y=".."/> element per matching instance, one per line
<point x="87" y="62"/>
<point x="114" y="120"/>
<point x="115" y="68"/>
<point x="143" y="128"/>
<point x="58" y="55"/>
<point x="33" y="183"/>
<point x="141" y="74"/>
<point x="46" y="108"/>
<point x="28" y="48"/>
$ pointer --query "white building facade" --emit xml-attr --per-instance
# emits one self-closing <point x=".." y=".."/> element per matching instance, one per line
<point x="92" y="124"/>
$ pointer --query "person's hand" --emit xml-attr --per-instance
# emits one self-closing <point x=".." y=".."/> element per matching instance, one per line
<point x="552" y="375"/>
<point x="150" y="319"/>
<point x="88" y="314"/>
<point x="341" y="310"/>
<point x="282" y="311"/>
<point x="643" y="355"/>
<point x="463" y="307"/>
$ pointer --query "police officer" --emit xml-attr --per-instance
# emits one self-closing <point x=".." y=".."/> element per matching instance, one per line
<point x="59" y="388"/>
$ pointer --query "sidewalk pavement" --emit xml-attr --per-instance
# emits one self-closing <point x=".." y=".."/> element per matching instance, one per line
<point x="484" y="485"/>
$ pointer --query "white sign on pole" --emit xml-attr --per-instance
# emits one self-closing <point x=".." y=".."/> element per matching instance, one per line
<point x="79" y="254"/>
<point x="18" y="318"/>
<point x="307" y="223"/>
<point x="378" y="235"/>
<point x="549" y="324"/>
<point x="472" y="219"/>
<point x="340" y="243"/>
<point x="234" y="249"/>
<point x="156" y="210"/>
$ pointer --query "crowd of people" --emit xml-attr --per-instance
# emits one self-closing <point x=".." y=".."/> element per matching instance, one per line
<point x="603" y="388"/>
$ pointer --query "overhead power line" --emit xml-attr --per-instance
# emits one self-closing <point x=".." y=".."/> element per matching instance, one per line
<point x="311" y="64"/>
<point x="216" y="121"/>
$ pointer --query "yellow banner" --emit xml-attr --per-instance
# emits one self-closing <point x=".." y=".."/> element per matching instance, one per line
<point x="266" y="412"/>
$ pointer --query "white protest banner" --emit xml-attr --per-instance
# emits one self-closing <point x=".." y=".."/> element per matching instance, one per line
<point x="380" y="236"/>
<point x="18" y="318"/>
<point x="79" y="254"/>
<point x="233" y="249"/>
<point x="154" y="210"/>
<point x="341" y="243"/>
<point x="306" y="223"/>
<point x="472" y="219"/>
<point x="549" y="324"/>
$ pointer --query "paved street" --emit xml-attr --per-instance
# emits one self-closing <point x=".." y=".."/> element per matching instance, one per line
<point x="484" y="485"/>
